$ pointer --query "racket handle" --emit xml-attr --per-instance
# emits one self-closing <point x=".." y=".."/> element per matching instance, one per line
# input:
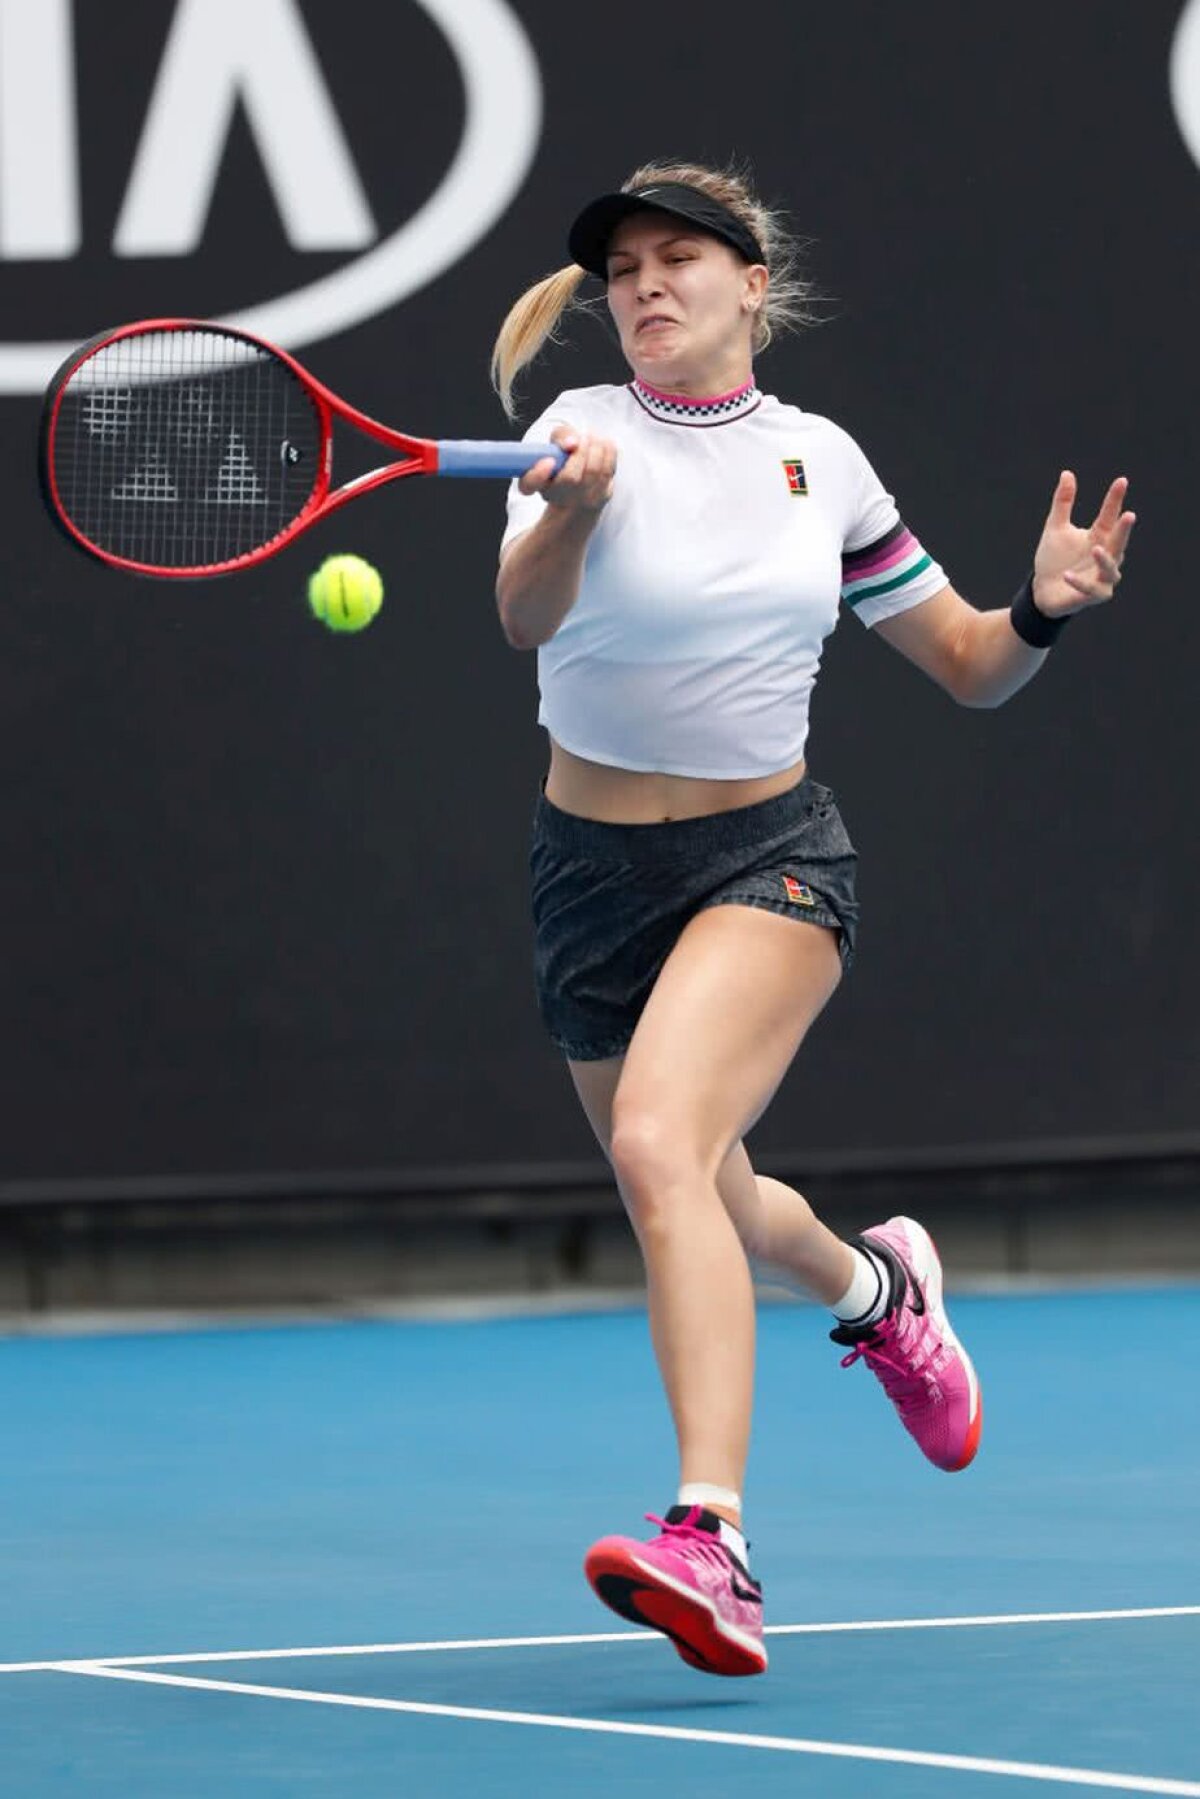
<point x="507" y="460"/>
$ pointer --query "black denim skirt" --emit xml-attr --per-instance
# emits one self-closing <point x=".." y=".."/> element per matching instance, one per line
<point x="610" y="900"/>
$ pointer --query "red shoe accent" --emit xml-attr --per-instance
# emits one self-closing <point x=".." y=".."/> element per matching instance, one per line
<point x="972" y="1443"/>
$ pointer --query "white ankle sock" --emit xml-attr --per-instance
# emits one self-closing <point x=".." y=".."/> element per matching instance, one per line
<point x="701" y="1493"/>
<point x="865" y="1299"/>
<point x="733" y="1539"/>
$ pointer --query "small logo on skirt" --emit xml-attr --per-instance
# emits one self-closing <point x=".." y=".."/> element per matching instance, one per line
<point x="798" y="892"/>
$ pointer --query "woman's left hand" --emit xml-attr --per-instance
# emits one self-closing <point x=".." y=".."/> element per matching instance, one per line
<point x="1074" y="568"/>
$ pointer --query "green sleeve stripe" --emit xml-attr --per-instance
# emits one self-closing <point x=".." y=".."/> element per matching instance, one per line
<point x="881" y="587"/>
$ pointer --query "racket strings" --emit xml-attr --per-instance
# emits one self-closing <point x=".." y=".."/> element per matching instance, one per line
<point x="185" y="448"/>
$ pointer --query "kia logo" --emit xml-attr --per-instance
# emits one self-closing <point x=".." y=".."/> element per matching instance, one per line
<point x="1185" y="76"/>
<point x="257" y="54"/>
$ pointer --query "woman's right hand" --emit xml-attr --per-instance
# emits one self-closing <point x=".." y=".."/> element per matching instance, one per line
<point x="542" y="569"/>
<point x="584" y="483"/>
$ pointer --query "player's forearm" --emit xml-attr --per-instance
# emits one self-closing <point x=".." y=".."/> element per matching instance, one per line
<point x="993" y="662"/>
<point x="540" y="576"/>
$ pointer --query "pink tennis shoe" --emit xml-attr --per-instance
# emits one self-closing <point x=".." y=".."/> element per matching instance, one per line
<point x="919" y="1362"/>
<point x="687" y="1584"/>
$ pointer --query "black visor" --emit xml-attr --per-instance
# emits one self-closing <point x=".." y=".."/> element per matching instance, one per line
<point x="589" y="235"/>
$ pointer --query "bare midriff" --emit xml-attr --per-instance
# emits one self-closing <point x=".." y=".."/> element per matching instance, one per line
<point x="624" y="796"/>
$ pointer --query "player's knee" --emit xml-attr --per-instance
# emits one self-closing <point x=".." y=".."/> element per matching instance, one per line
<point x="638" y="1148"/>
<point x="656" y="1164"/>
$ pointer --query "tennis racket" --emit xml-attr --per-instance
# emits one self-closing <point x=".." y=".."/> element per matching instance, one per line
<point x="180" y="448"/>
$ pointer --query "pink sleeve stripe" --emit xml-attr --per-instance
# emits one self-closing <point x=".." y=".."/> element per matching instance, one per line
<point x="877" y="558"/>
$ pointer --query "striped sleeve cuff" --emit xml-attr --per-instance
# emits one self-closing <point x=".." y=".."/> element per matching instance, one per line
<point x="889" y="575"/>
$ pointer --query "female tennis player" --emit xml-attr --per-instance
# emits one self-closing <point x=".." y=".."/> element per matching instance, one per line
<point x="693" y="885"/>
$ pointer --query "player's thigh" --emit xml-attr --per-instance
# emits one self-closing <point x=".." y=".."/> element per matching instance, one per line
<point x="730" y="1008"/>
<point x="596" y="1085"/>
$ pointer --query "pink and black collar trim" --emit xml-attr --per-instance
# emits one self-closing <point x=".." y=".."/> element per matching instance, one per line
<point x="682" y="409"/>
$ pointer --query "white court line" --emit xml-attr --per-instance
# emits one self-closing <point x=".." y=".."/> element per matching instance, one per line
<point x="968" y="1764"/>
<point x="598" y="1636"/>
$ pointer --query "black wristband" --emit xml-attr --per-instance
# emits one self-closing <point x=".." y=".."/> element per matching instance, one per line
<point x="1033" y="626"/>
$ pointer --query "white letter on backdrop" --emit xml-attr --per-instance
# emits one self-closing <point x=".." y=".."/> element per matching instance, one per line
<point x="258" y="51"/>
<point x="39" y="163"/>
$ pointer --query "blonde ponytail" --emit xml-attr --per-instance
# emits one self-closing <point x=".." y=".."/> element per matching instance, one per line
<point x="531" y="322"/>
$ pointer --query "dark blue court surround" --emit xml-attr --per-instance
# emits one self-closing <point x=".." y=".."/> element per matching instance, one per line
<point x="379" y="1484"/>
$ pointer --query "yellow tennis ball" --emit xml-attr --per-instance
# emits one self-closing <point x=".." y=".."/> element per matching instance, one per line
<point x="345" y="593"/>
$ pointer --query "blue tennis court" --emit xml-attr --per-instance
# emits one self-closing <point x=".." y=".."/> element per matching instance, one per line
<point x="343" y="1558"/>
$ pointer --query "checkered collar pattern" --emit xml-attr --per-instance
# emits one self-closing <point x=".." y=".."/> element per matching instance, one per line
<point x="681" y="409"/>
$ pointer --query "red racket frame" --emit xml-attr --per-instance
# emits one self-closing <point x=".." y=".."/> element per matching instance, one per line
<point x="420" y="453"/>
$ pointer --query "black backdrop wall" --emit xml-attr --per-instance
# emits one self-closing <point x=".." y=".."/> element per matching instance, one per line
<point x="264" y="890"/>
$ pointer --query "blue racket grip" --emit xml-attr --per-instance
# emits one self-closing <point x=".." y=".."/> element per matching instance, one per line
<point x="507" y="460"/>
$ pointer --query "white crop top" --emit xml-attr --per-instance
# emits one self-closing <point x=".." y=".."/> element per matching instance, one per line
<point x="713" y="579"/>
